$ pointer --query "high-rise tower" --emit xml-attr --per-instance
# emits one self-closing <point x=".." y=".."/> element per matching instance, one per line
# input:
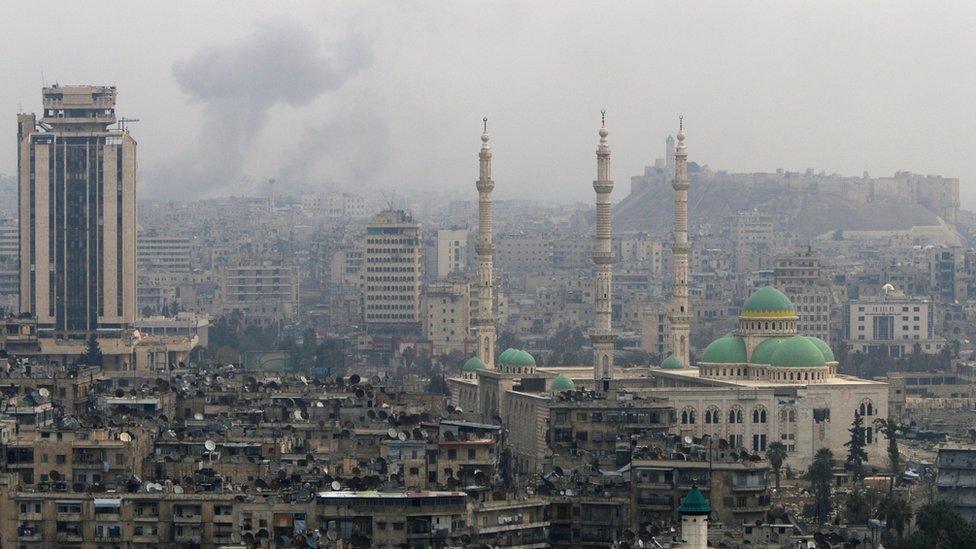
<point x="602" y="336"/>
<point x="485" y="321"/>
<point x="679" y="313"/>
<point x="77" y="208"/>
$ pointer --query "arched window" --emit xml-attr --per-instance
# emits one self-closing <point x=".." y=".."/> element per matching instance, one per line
<point x="712" y="415"/>
<point x="735" y="415"/>
<point x="867" y="407"/>
<point x="759" y="415"/>
<point x="688" y="416"/>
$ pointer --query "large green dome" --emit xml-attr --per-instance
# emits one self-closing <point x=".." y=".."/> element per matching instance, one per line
<point x="725" y="350"/>
<point x="768" y="302"/>
<point x="797" y="352"/>
<point x="522" y="358"/>
<point x="763" y="354"/>
<point x="472" y="364"/>
<point x="506" y="356"/>
<point x="672" y="363"/>
<point x="563" y="383"/>
<point x="824" y="348"/>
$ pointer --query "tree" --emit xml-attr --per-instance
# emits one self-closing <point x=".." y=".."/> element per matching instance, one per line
<point x="856" y="454"/>
<point x="940" y="525"/>
<point x="776" y="453"/>
<point x="309" y="347"/>
<point x="93" y="352"/>
<point x="890" y="428"/>
<point x="897" y="512"/>
<point x="821" y="474"/>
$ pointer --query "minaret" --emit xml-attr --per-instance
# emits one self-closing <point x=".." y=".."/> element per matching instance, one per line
<point x="485" y="322"/>
<point x="602" y="336"/>
<point x="679" y="314"/>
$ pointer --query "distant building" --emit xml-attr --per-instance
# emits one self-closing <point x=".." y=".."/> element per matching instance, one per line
<point x="164" y="253"/>
<point x="452" y="251"/>
<point x="447" y="317"/>
<point x="266" y="292"/>
<point x="77" y="212"/>
<point x="955" y="479"/>
<point x="392" y="273"/>
<point x="892" y="324"/>
<point x="798" y="275"/>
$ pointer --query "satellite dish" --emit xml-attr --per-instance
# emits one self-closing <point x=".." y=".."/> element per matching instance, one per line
<point x="177" y="489"/>
<point x="304" y="379"/>
<point x="402" y="436"/>
<point x="391" y="432"/>
<point x="125" y="437"/>
<point x="44" y="392"/>
<point x="336" y="486"/>
<point x="297" y="414"/>
<point x="198" y="416"/>
<point x="687" y="439"/>
<point x="210" y="445"/>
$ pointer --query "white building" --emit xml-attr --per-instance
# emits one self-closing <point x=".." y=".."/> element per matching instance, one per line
<point x="892" y="324"/>
<point x="452" y="251"/>
<point x="392" y="272"/>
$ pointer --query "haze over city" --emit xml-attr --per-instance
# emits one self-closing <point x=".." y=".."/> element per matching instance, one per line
<point x="388" y="93"/>
<point x="411" y="275"/>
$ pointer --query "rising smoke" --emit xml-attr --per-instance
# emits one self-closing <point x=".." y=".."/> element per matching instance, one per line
<point x="238" y="83"/>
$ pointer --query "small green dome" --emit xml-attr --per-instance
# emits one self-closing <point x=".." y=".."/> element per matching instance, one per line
<point x="725" y="350"/>
<point x="763" y="354"/>
<point x="672" y="363"/>
<point x="824" y="348"/>
<point x="506" y="356"/>
<point x="797" y="352"/>
<point x="695" y="504"/>
<point x="768" y="302"/>
<point x="563" y="383"/>
<point x="522" y="358"/>
<point x="472" y="364"/>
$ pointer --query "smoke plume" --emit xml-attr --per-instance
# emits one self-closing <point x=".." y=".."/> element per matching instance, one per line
<point x="238" y="83"/>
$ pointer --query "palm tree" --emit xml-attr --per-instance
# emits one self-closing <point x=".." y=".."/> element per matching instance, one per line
<point x="891" y="429"/>
<point x="897" y="513"/>
<point x="820" y="474"/>
<point x="776" y="453"/>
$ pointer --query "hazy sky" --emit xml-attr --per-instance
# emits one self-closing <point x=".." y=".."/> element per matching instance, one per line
<point x="392" y="93"/>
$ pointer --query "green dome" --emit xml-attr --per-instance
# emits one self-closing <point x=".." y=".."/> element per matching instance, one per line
<point x="472" y="364"/>
<point x="824" y="348"/>
<point x="522" y="358"/>
<point x="672" y="363"/>
<point x="768" y="302"/>
<point x="695" y="504"/>
<point x="563" y="383"/>
<point x="506" y="356"/>
<point x="797" y="352"/>
<point x="725" y="350"/>
<point x="763" y="354"/>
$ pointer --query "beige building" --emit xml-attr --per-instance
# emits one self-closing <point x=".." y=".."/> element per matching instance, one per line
<point x="452" y="251"/>
<point x="447" y="317"/>
<point x="392" y="272"/>
<point x="892" y="324"/>
<point x="266" y="292"/>
<point x="78" y="263"/>
<point x="798" y="275"/>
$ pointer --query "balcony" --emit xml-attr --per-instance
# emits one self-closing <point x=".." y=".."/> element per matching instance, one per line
<point x="70" y="537"/>
<point x="752" y="508"/>
<point x="146" y="538"/>
<point x="29" y="516"/>
<point x="187" y="518"/>
<point x="749" y="484"/>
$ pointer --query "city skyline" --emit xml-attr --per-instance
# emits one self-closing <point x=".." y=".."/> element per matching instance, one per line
<point x="374" y="88"/>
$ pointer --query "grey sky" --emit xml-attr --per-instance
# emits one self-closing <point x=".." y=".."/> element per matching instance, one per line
<point x="393" y="93"/>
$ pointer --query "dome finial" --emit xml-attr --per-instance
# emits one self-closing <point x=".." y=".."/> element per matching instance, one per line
<point x="681" y="127"/>
<point x="485" y="135"/>
<point x="603" y="126"/>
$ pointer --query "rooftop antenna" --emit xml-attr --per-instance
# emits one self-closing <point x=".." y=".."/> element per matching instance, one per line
<point x="123" y="123"/>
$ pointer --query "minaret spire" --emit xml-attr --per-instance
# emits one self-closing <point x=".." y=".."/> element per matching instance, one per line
<point x="485" y="321"/>
<point x="602" y="336"/>
<point x="679" y="311"/>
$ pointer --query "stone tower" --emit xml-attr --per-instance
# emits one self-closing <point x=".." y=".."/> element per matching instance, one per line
<point x="602" y="336"/>
<point x="679" y="314"/>
<point x="485" y="321"/>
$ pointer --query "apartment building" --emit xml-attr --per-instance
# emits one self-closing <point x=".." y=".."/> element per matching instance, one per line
<point x="392" y="273"/>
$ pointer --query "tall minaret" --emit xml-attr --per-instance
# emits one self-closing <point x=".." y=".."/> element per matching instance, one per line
<point x="485" y="322"/>
<point x="679" y="314"/>
<point x="602" y="336"/>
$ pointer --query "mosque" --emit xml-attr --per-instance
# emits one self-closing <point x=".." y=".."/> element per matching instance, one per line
<point x="759" y="384"/>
